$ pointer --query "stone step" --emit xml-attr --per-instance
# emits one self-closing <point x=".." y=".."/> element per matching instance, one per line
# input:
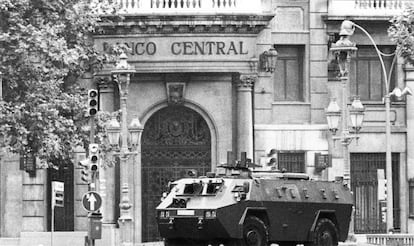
<point x="5" y="241"/>
<point x="59" y="238"/>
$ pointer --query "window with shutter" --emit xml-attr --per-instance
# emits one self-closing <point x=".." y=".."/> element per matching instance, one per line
<point x="366" y="74"/>
<point x="288" y="76"/>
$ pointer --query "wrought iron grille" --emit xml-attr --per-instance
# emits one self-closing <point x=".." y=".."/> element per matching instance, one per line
<point x="292" y="161"/>
<point x="175" y="140"/>
<point x="364" y="184"/>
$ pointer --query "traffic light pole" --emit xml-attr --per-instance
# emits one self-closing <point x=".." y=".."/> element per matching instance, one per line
<point x="52" y="224"/>
<point x="93" y="184"/>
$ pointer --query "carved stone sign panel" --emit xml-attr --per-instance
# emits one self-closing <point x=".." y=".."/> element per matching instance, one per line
<point x="183" y="48"/>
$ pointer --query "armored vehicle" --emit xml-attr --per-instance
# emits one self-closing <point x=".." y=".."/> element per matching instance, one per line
<point x="238" y="206"/>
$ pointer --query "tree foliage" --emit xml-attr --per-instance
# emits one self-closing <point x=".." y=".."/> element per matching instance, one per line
<point x="45" y="46"/>
<point x="401" y="32"/>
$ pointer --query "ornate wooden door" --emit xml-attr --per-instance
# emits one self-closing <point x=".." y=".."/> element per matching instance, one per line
<point x="175" y="139"/>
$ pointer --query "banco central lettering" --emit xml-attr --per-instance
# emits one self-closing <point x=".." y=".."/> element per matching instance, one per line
<point x="183" y="48"/>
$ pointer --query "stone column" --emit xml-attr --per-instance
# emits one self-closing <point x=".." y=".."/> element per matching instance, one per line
<point x="245" y="114"/>
<point x="137" y="190"/>
<point x="107" y="176"/>
<point x="409" y="80"/>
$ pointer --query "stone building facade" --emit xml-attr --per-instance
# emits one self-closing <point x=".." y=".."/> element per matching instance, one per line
<point x="200" y="90"/>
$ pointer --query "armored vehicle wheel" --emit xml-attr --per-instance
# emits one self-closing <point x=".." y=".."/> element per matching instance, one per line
<point x="326" y="234"/>
<point x="254" y="232"/>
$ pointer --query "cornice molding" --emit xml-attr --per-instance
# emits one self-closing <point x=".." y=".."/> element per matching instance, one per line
<point x="157" y="24"/>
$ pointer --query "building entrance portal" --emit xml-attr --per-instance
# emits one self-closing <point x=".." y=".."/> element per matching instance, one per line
<point x="175" y="139"/>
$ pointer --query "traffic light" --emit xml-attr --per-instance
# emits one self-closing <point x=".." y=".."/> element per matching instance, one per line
<point x="94" y="157"/>
<point x="85" y="172"/>
<point x="92" y="102"/>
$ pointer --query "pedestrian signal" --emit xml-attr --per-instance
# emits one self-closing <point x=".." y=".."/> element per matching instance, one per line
<point x="85" y="172"/>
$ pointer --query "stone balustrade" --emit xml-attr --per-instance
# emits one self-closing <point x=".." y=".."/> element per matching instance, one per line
<point x="189" y="6"/>
<point x="391" y="239"/>
<point x="367" y="8"/>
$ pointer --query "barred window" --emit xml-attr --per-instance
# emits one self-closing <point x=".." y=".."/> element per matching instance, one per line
<point x="293" y="162"/>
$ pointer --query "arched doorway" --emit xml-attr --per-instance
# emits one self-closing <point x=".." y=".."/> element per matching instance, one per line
<point x="175" y="139"/>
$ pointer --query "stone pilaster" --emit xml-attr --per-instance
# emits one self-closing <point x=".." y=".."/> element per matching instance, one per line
<point x="409" y="81"/>
<point x="244" y="141"/>
<point x="107" y="176"/>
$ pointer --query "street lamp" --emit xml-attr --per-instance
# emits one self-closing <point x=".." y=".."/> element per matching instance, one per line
<point x="342" y="50"/>
<point x="118" y="137"/>
<point x="333" y="115"/>
<point x="356" y="114"/>
<point x="398" y="93"/>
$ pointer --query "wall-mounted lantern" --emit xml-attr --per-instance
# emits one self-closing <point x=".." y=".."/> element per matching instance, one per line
<point x="268" y="60"/>
<point x="333" y="115"/>
<point x="356" y="113"/>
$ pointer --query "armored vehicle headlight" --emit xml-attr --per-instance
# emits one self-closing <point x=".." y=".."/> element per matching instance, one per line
<point x="210" y="214"/>
<point x="162" y="214"/>
<point x="167" y="214"/>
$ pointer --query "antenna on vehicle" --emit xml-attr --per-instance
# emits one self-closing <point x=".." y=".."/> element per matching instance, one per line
<point x="230" y="158"/>
<point x="243" y="160"/>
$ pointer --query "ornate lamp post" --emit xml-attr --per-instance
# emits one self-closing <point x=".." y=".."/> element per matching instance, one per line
<point x="342" y="50"/>
<point x="350" y="26"/>
<point x="118" y="137"/>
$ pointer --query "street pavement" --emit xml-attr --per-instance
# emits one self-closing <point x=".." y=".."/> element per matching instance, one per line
<point x="340" y="244"/>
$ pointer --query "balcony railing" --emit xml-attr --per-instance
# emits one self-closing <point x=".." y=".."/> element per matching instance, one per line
<point x="391" y="239"/>
<point x="367" y="8"/>
<point x="189" y="6"/>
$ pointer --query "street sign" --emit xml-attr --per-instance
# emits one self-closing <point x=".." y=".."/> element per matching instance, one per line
<point x="58" y="195"/>
<point x="92" y="201"/>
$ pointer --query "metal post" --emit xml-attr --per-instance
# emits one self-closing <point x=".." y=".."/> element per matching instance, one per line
<point x="344" y="120"/>
<point x="343" y="49"/>
<point x="122" y="75"/>
<point x="346" y="139"/>
<point x="125" y="220"/>
<point x="388" y="167"/>
<point x="52" y="224"/>
<point x="388" y="164"/>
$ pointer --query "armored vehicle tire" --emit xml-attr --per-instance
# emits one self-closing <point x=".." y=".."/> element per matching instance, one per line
<point x="254" y="232"/>
<point x="325" y="234"/>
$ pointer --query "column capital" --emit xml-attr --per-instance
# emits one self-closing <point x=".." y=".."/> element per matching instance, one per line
<point x="246" y="81"/>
